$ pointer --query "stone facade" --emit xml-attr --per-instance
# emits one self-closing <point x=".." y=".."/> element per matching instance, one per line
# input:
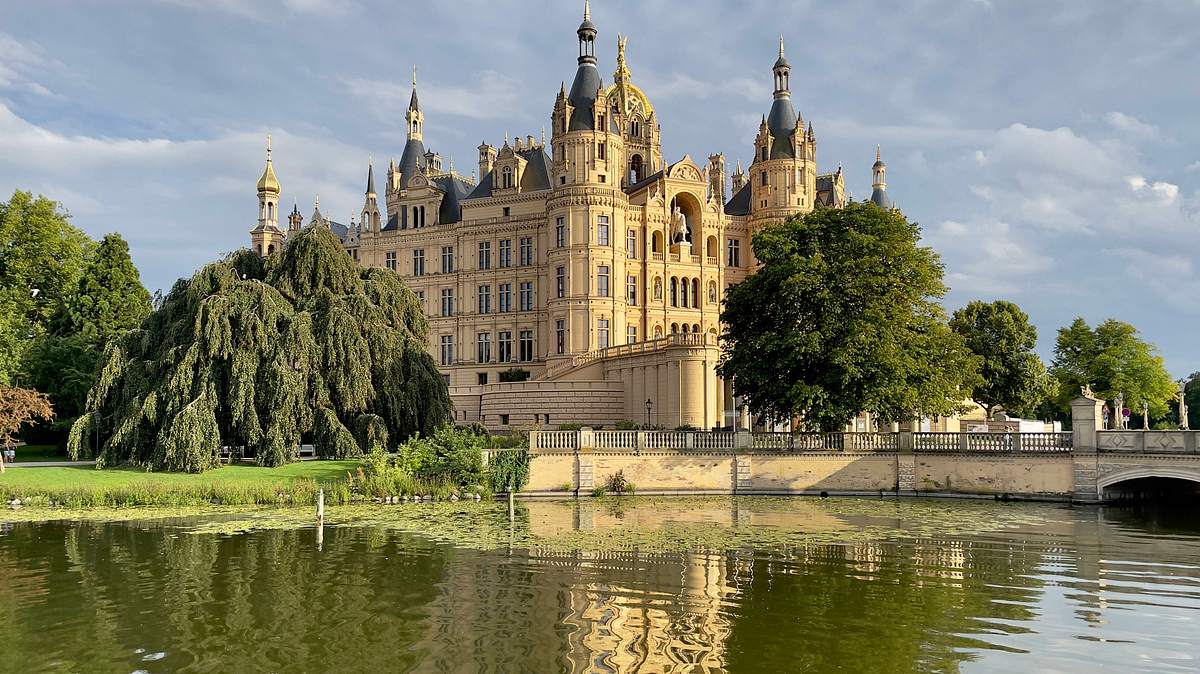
<point x="587" y="258"/>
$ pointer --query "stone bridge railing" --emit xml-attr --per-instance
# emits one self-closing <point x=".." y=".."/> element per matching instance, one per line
<point x="1149" y="442"/>
<point x="702" y="441"/>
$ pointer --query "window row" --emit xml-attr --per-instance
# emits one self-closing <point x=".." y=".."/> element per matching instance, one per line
<point x="504" y="298"/>
<point x="505" y="249"/>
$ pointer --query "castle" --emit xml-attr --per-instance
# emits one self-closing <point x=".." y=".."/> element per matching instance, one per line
<point x="580" y="281"/>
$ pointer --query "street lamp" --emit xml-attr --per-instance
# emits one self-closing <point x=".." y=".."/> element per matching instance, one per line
<point x="649" y="406"/>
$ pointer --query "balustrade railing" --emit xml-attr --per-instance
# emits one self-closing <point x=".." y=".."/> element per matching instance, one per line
<point x="821" y="442"/>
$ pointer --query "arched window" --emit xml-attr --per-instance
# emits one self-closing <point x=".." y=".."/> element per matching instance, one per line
<point x="764" y="154"/>
<point x="674" y="291"/>
<point x="260" y="249"/>
<point x="657" y="288"/>
<point x="696" y="293"/>
<point x="696" y="328"/>
<point x="683" y="293"/>
<point x="686" y="328"/>
<point x="271" y="249"/>
<point x="656" y="243"/>
<point x="635" y="129"/>
<point x="637" y="169"/>
<point x="674" y="328"/>
<point x="508" y="177"/>
<point x="711" y="246"/>
<point x="270" y="211"/>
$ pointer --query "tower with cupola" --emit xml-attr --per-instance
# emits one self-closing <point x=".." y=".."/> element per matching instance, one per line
<point x="783" y="175"/>
<point x="266" y="237"/>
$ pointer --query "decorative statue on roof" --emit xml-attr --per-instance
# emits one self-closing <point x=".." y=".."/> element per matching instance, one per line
<point x="680" y="233"/>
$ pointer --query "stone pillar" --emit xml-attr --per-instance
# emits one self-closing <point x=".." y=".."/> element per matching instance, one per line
<point x="587" y="438"/>
<point x="906" y="474"/>
<point x="741" y="473"/>
<point x="1087" y="417"/>
<point x="743" y="439"/>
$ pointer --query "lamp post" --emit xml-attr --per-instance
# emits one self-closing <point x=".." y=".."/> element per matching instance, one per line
<point x="649" y="406"/>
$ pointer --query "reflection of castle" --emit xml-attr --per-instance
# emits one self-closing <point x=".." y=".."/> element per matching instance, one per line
<point x="591" y="262"/>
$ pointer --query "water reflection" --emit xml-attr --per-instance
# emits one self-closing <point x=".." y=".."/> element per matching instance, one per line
<point x="1025" y="588"/>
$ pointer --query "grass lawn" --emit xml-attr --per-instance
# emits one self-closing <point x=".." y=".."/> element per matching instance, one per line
<point x="229" y="485"/>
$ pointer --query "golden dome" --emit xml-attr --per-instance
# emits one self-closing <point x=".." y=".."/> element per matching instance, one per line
<point x="268" y="182"/>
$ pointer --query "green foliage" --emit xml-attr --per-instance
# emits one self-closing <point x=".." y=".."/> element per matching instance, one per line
<point x="39" y="249"/>
<point x="626" y="425"/>
<point x="1191" y="395"/>
<point x="617" y="484"/>
<point x="1112" y="359"/>
<point x="509" y="470"/>
<point x="370" y="430"/>
<point x="109" y="300"/>
<point x="514" y="374"/>
<point x="513" y="441"/>
<point x="1012" y="375"/>
<point x="255" y="354"/>
<point x="843" y="317"/>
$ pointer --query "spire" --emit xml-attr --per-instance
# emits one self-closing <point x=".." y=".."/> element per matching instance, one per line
<point x="268" y="182"/>
<point x="413" y="104"/>
<point x="879" y="195"/>
<point x="781" y="46"/>
<point x="622" y="73"/>
<point x="370" y="177"/>
<point x="587" y="10"/>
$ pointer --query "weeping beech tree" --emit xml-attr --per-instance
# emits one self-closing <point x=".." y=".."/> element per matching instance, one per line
<point x="257" y="354"/>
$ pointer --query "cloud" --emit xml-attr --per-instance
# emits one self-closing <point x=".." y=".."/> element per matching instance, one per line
<point x="493" y="95"/>
<point x="264" y="9"/>
<point x="1131" y="125"/>
<point x="987" y="258"/>
<point x="17" y="63"/>
<point x="1192" y="167"/>
<point x="178" y="202"/>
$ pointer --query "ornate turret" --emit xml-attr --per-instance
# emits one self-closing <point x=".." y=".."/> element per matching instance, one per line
<point x="266" y="235"/>
<point x="370" y="217"/>
<point x="782" y="121"/>
<point x="587" y="78"/>
<point x="295" y="220"/>
<point x="783" y="176"/>
<point x="412" y="161"/>
<point x="879" y="195"/>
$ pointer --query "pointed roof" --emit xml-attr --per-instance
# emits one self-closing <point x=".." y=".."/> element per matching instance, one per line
<point x="268" y="182"/>
<point x="370" y="178"/>
<point x="413" y="103"/>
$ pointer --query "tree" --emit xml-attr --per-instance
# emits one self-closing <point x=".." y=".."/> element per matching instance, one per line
<point x="842" y="317"/>
<point x="1112" y="359"/>
<point x="41" y="260"/>
<point x="1012" y="375"/>
<point x="19" y="406"/>
<point x="108" y="300"/>
<point x="258" y="353"/>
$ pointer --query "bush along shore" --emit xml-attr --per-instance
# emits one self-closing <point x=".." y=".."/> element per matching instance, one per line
<point x="447" y="466"/>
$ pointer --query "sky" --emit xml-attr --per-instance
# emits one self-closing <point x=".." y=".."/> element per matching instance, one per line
<point x="1049" y="149"/>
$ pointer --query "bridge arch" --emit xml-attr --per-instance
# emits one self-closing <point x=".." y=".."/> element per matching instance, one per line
<point x="1151" y="483"/>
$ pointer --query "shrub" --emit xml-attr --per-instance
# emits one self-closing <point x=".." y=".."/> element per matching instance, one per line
<point x="452" y="454"/>
<point x="514" y="374"/>
<point x="626" y="425"/>
<point x="597" y="492"/>
<point x="617" y="484"/>
<point x="509" y="468"/>
<point x="570" y="427"/>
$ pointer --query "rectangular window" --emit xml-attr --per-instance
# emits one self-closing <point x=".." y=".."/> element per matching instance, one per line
<point x="389" y="260"/>
<point x="447" y="259"/>
<point x="602" y="333"/>
<point x="602" y="281"/>
<point x="631" y="334"/>
<point x="631" y="286"/>
<point x="507" y="210"/>
<point x="631" y="244"/>
<point x="560" y="336"/>
<point x="602" y="230"/>
<point x="447" y="349"/>
<point x="483" y="347"/>
<point x="485" y="299"/>
<point x="526" y="251"/>
<point x="526" y="347"/>
<point x="560" y="282"/>
<point x="485" y="254"/>
<point x="560" y="232"/>
<point x="504" y="346"/>
<point x="505" y="253"/>
<point x="764" y="178"/>
<point x="601" y="149"/>
<point x="504" y="297"/>
<point x="527" y="296"/>
<point x="734" y="258"/>
<point x="421" y="299"/>
<point x="419" y="262"/>
<point x="447" y="301"/>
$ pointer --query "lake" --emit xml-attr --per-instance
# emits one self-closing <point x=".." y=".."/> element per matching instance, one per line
<point x="737" y="584"/>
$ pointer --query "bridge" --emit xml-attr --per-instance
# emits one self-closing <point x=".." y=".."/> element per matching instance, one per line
<point x="1089" y="464"/>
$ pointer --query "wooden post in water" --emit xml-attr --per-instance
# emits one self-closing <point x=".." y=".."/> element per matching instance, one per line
<point x="512" y="517"/>
<point x="321" y="505"/>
